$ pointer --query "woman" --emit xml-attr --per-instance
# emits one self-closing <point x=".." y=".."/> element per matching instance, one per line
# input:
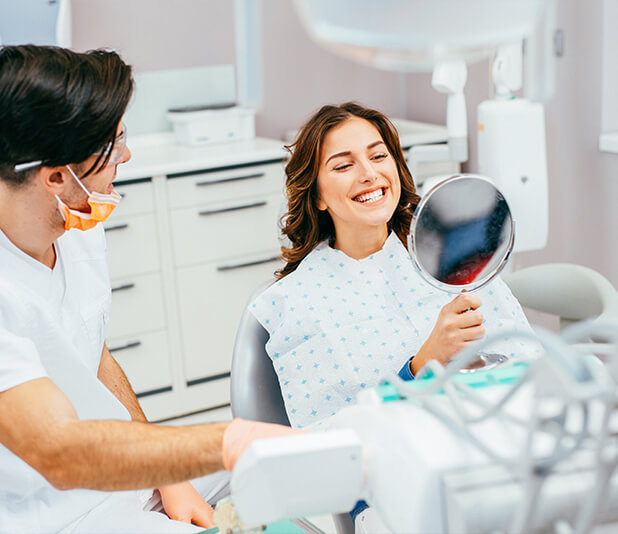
<point x="349" y="309"/>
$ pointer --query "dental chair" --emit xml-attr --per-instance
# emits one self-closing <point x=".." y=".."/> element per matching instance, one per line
<point x="255" y="391"/>
<point x="570" y="292"/>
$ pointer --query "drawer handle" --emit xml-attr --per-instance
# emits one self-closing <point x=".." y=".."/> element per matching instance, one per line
<point x="233" y="208"/>
<point x="129" y="345"/>
<point x="123" y="287"/>
<point x="117" y="227"/>
<point x="247" y="264"/>
<point x="231" y="179"/>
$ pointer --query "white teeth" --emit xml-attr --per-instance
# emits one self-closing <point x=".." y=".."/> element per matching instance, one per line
<point x="370" y="197"/>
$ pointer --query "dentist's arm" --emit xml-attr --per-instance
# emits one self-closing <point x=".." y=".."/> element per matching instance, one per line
<point x="180" y="501"/>
<point x="39" y="424"/>
<point x="114" y="379"/>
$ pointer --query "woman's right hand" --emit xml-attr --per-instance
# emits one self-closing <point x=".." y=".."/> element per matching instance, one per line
<point x="458" y="324"/>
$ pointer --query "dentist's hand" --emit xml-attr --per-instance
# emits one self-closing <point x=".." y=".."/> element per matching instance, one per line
<point x="182" y="502"/>
<point x="458" y="323"/>
<point x="241" y="433"/>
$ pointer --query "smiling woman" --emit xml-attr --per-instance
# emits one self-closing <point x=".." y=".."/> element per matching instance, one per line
<point x="358" y="187"/>
<point x="341" y="151"/>
<point x="349" y="309"/>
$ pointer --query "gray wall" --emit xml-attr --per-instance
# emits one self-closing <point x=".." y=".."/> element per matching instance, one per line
<point x="157" y="34"/>
<point x="299" y="77"/>
<point x="583" y="182"/>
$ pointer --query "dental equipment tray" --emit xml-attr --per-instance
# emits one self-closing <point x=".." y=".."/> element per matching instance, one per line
<point x="501" y="375"/>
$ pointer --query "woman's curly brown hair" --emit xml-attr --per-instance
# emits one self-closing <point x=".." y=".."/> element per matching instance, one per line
<point x="303" y="223"/>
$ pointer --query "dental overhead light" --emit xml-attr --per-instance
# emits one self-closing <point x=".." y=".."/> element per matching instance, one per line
<point x="416" y="35"/>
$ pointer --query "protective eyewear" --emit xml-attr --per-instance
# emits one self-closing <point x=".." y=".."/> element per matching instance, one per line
<point x="115" y="150"/>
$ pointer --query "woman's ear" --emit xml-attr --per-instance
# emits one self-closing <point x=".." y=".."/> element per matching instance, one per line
<point x="320" y="204"/>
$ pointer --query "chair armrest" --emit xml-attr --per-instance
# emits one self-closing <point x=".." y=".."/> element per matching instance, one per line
<point x="569" y="291"/>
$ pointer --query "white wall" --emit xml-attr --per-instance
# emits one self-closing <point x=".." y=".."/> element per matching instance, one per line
<point x="299" y="77"/>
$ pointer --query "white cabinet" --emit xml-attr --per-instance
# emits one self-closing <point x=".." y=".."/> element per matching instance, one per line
<point x="210" y="313"/>
<point x="193" y="189"/>
<point x="229" y="230"/>
<point x="137" y="305"/>
<point x="145" y="359"/>
<point x="135" y="245"/>
<point x="186" y="248"/>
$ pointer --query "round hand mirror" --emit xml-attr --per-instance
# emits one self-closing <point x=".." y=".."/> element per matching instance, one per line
<point x="461" y="234"/>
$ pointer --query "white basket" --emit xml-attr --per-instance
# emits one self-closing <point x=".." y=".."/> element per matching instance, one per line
<point x="212" y="125"/>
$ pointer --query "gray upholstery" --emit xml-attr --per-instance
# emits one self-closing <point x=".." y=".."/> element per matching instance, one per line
<point x="255" y="391"/>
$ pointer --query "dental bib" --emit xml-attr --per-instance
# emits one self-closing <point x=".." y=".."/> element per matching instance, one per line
<point x="338" y="325"/>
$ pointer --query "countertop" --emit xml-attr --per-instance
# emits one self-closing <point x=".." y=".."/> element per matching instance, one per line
<point x="159" y="154"/>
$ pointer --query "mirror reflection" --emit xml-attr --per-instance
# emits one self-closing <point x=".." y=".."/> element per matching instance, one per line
<point x="461" y="234"/>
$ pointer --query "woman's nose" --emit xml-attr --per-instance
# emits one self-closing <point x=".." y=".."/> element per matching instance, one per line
<point x="367" y="172"/>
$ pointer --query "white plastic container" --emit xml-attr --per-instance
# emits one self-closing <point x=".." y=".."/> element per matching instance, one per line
<point x="207" y="126"/>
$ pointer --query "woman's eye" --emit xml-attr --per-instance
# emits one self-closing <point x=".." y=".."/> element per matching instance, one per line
<point x="343" y="166"/>
<point x="380" y="156"/>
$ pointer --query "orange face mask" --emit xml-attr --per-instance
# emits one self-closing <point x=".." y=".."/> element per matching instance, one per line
<point x="101" y="206"/>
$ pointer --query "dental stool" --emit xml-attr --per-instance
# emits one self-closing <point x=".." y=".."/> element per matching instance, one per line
<point x="571" y="292"/>
<point x="255" y="391"/>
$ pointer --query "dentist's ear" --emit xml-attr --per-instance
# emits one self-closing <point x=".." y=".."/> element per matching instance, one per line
<point x="53" y="179"/>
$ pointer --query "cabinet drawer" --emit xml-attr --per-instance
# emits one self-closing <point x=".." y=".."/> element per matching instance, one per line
<point x="183" y="401"/>
<point x="132" y="246"/>
<point x="221" y="186"/>
<point x="211" y="302"/>
<point x="145" y="359"/>
<point x="137" y="199"/>
<point x="204" y="234"/>
<point x="137" y="305"/>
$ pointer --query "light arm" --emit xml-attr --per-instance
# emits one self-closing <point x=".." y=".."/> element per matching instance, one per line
<point x="449" y="77"/>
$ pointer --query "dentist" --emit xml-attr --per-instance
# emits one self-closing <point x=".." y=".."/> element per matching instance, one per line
<point x="74" y="443"/>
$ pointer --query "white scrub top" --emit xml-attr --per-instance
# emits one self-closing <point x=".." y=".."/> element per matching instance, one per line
<point x="52" y="324"/>
<point x="339" y="325"/>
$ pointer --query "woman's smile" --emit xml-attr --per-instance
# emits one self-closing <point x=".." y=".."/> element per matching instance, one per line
<point x="375" y="196"/>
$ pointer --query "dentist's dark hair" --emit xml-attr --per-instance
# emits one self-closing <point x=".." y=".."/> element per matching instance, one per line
<point x="59" y="107"/>
<point x="305" y="225"/>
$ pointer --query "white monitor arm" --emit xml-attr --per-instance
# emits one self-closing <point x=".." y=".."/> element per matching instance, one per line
<point x="507" y="69"/>
<point x="450" y="77"/>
